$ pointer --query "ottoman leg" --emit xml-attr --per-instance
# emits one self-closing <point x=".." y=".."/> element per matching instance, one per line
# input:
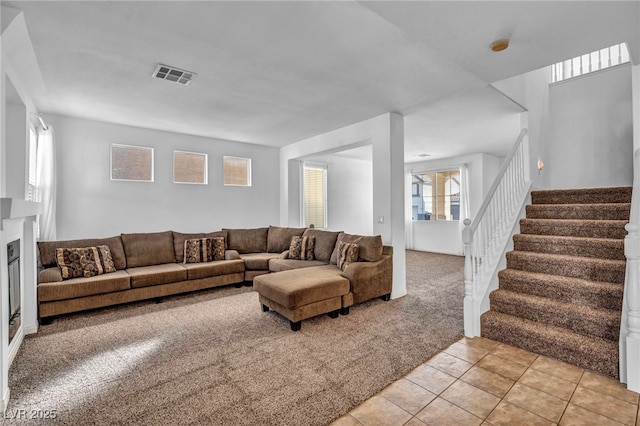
<point x="334" y="314"/>
<point x="265" y="308"/>
<point x="386" y="297"/>
<point x="295" y="326"/>
<point x="344" y="311"/>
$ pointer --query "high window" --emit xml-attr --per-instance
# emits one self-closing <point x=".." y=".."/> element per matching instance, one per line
<point x="237" y="171"/>
<point x="315" y="195"/>
<point x="189" y="167"/>
<point x="590" y="62"/>
<point x="134" y="163"/>
<point x="435" y="195"/>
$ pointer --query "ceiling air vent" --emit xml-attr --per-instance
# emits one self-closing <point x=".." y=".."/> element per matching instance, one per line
<point x="174" y="74"/>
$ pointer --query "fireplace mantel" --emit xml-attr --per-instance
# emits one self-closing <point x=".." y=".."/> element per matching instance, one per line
<point x="17" y="221"/>
<point x="14" y="208"/>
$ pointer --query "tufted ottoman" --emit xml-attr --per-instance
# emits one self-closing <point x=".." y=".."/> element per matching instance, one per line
<point x="303" y="293"/>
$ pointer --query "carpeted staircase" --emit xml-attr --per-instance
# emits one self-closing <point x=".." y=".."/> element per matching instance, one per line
<point x="561" y="294"/>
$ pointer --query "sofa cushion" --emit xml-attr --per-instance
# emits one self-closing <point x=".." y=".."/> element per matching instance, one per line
<point x="301" y="248"/>
<point x="80" y="287"/>
<point x="247" y="240"/>
<point x="300" y="287"/>
<point x="213" y="269"/>
<point x="325" y="243"/>
<point x="257" y="261"/>
<point x="203" y="250"/>
<point x="347" y="254"/>
<point x="179" y="239"/>
<point x="47" y="249"/>
<point x="145" y="276"/>
<point x="279" y="265"/>
<point x="148" y="249"/>
<point x="369" y="247"/>
<point x="279" y="238"/>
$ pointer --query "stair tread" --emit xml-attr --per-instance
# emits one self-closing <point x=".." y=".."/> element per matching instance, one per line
<point x="583" y="319"/>
<point x="593" y="222"/>
<point x="590" y="352"/>
<point x="588" y="195"/>
<point x="597" y="294"/>
<point x="568" y="258"/>
<point x="541" y="276"/>
<point x="569" y="238"/>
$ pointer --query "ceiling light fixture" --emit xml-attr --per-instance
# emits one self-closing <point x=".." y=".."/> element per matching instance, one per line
<point x="499" y="45"/>
<point x="176" y="75"/>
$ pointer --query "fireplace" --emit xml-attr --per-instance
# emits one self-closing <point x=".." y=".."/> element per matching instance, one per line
<point x="13" y="266"/>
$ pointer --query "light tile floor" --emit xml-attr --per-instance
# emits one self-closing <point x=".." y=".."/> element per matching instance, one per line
<point x="482" y="382"/>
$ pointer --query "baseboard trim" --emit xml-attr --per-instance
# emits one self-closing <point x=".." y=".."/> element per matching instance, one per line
<point x="31" y="329"/>
<point x="396" y="295"/>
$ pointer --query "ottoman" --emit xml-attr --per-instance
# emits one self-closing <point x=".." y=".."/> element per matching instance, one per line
<point x="303" y="293"/>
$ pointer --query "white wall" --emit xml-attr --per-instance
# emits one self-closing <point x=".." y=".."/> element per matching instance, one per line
<point x="445" y="237"/>
<point x="91" y="205"/>
<point x="385" y="133"/>
<point x="349" y="194"/>
<point x="590" y="138"/>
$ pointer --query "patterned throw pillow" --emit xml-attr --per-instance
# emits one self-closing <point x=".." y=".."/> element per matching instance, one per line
<point x="301" y="248"/>
<point x="203" y="250"/>
<point x="84" y="262"/>
<point x="347" y="254"/>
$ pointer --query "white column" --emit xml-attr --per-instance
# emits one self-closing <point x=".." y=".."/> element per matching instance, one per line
<point x="388" y="194"/>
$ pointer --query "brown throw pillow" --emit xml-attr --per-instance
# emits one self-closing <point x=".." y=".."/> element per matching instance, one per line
<point x="301" y="248"/>
<point x="347" y="254"/>
<point x="203" y="250"/>
<point x="84" y="262"/>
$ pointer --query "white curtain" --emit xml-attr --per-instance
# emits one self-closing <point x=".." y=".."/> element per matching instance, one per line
<point x="46" y="183"/>
<point x="464" y="198"/>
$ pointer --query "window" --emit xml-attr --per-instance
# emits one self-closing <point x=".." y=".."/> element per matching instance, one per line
<point x="131" y="163"/>
<point x="237" y="171"/>
<point x="590" y="62"/>
<point x="33" y="165"/>
<point x="189" y="167"/>
<point x="315" y="195"/>
<point x="436" y="195"/>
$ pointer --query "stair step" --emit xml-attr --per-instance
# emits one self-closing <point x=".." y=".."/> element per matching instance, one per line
<point x="587" y="268"/>
<point x="595" y="294"/>
<point x="575" y="228"/>
<point x="583" y="196"/>
<point x="606" y="211"/>
<point x="604" y="248"/>
<point x="580" y="319"/>
<point x="588" y="352"/>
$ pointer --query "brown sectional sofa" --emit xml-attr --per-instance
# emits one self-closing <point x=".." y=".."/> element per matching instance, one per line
<point x="301" y="289"/>
<point x="149" y="265"/>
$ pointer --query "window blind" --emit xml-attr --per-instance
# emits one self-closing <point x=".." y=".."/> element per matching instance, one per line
<point x="315" y="184"/>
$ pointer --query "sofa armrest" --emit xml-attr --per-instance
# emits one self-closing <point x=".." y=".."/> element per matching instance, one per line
<point x="231" y="255"/>
<point x="50" y="275"/>
<point x="284" y="255"/>
<point x="370" y="279"/>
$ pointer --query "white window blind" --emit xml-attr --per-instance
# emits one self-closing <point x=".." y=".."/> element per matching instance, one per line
<point x="315" y="196"/>
<point x="33" y="149"/>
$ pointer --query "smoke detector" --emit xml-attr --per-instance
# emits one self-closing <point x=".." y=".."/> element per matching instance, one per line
<point x="176" y="75"/>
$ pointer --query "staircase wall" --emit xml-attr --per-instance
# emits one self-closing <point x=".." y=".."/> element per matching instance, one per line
<point x="589" y="140"/>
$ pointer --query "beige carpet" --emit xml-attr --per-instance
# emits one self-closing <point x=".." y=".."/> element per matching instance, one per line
<point x="214" y="358"/>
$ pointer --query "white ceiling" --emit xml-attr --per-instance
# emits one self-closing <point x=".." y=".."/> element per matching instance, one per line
<point x="274" y="73"/>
